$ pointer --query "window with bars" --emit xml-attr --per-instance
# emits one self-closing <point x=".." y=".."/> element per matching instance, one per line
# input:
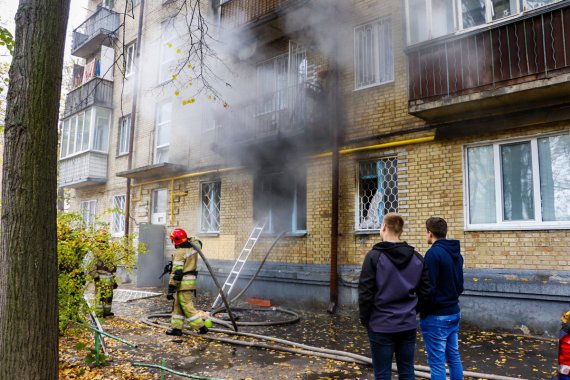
<point x="519" y="184"/>
<point x="88" y="210"/>
<point x="118" y="225"/>
<point x="210" y="207"/>
<point x="162" y="134"/>
<point x="124" y="134"/>
<point x="158" y="215"/>
<point x="373" y="54"/>
<point x="377" y="191"/>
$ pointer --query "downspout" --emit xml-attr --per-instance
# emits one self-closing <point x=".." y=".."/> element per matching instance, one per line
<point x="133" y="117"/>
<point x="334" y="125"/>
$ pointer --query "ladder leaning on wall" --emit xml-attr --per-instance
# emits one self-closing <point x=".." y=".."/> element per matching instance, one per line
<point x="240" y="262"/>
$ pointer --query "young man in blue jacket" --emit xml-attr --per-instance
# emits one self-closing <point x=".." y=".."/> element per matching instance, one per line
<point x="392" y="281"/>
<point x="440" y="318"/>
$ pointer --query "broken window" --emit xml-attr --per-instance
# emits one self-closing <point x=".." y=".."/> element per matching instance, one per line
<point x="281" y="199"/>
<point x="378" y="192"/>
<point x="210" y="207"/>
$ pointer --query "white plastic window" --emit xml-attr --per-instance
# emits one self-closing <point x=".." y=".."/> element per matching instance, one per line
<point x="373" y="54"/>
<point x="124" y="134"/>
<point x="162" y="134"/>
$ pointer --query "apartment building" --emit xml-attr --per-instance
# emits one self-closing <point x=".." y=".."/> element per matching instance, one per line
<point x="455" y="108"/>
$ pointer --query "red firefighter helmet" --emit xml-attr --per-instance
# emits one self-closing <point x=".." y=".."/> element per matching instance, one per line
<point x="178" y="236"/>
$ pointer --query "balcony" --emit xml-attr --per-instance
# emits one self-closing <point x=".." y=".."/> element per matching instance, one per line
<point x="83" y="169"/>
<point x="97" y="30"/>
<point x="96" y="91"/>
<point x="240" y="13"/>
<point x="518" y="65"/>
<point x="296" y="114"/>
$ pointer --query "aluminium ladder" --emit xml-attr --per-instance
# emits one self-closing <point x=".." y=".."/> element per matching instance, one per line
<point x="240" y="262"/>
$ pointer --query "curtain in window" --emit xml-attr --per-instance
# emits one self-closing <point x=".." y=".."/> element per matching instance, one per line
<point x="518" y="194"/>
<point x="481" y="182"/>
<point x="554" y="162"/>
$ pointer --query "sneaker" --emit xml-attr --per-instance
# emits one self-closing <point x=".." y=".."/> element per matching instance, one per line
<point x="203" y="330"/>
<point x="174" y="332"/>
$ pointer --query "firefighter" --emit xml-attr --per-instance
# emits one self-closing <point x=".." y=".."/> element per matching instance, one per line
<point x="103" y="273"/>
<point x="182" y="284"/>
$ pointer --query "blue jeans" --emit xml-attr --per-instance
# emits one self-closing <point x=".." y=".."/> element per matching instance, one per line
<point x="385" y="345"/>
<point x="440" y="338"/>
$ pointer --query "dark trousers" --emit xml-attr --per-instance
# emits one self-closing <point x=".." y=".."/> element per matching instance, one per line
<point x="385" y="345"/>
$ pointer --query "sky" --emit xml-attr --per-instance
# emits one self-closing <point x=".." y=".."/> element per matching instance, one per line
<point x="77" y="15"/>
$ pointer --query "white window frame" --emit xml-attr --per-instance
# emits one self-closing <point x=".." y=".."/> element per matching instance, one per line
<point x="522" y="7"/>
<point x="155" y="217"/>
<point x="164" y="124"/>
<point x="357" y="221"/>
<point x="168" y="36"/>
<point x="378" y="23"/>
<point x="88" y="210"/>
<point x="118" y="225"/>
<point x="501" y="224"/>
<point x="130" y="59"/>
<point x="123" y="140"/>
<point x="93" y="114"/>
<point x="213" y="185"/>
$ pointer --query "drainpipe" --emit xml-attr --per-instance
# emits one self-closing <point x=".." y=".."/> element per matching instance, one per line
<point x="133" y="117"/>
<point x="334" y="125"/>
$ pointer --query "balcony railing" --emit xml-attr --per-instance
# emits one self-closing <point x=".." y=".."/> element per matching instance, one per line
<point x="521" y="50"/>
<point x="240" y="12"/>
<point x="98" y="29"/>
<point x="288" y="112"/>
<point x="84" y="169"/>
<point x="97" y="92"/>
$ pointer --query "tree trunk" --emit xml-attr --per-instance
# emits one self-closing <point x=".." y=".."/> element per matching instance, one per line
<point x="28" y="256"/>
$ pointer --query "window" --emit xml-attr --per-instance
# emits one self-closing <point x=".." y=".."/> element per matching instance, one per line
<point x="101" y="132"/>
<point x="124" y="134"/>
<point x="373" y="54"/>
<point x="519" y="184"/>
<point x="281" y="199"/>
<point x="377" y="192"/>
<point x="162" y="134"/>
<point x="167" y="51"/>
<point x="427" y="19"/>
<point x="130" y="59"/>
<point x="75" y="134"/>
<point x="118" y="226"/>
<point x="158" y="215"/>
<point x="210" y="193"/>
<point x="88" y="211"/>
<point x="108" y="4"/>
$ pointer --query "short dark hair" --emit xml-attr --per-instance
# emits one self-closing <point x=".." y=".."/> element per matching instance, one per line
<point x="394" y="222"/>
<point x="437" y="226"/>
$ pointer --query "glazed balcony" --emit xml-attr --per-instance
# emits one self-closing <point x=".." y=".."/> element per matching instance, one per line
<point x="95" y="92"/>
<point x="518" y="64"/>
<point x="97" y="30"/>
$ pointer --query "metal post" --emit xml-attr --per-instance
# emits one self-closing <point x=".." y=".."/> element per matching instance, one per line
<point x="97" y="346"/>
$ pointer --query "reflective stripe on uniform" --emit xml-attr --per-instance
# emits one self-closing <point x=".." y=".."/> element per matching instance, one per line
<point x="178" y="263"/>
<point x="195" y="316"/>
<point x="175" y="316"/>
<point x="188" y="277"/>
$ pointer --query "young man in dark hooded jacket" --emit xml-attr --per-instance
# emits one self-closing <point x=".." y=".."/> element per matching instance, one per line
<point x="393" y="280"/>
<point x="439" y="321"/>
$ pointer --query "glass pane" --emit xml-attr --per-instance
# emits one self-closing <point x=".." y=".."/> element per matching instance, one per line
<point x="385" y="56"/>
<point x="79" y="135"/>
<point x="533" y="4"/>
<point x="518" y="195"/>
<point x="72" y="134"/>
<point x="418" y="28"/>
<point x="503" y="8"/>
<point x="442" y="18"/>
<point x="86" y="130"/>
<point x="554" y="160"/>
<point x="159" y="201"/>
<point x="64" y="138"/>
<point x="481" y="172"/>
<point x="101" y="135"/>
<point x="164" y="113"/>
<point x="161" y="155"/>
<point x="473" y="12"/>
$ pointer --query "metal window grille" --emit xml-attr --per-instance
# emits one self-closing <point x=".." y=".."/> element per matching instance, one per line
<point x="88" y="212"/>
<point x="373" y="54"/>
<point x="124" y="132"/>
<point x="119" y="214"/>
<point x="378" y="192"/>
<point x="211" y="207"/>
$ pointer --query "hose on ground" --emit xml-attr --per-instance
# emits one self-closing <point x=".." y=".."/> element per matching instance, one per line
<point x="195" y="246"/>
<point x="299" y="348"/>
